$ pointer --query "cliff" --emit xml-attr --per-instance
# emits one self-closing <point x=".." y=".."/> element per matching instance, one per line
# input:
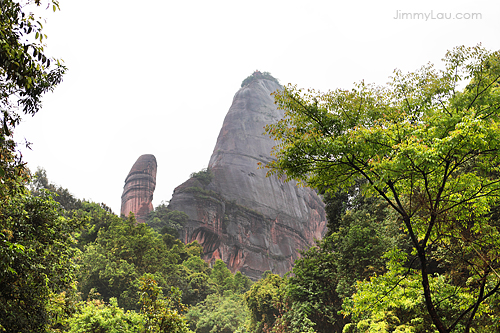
<point x="139" y="187"/>
<point x="252" y="222"/>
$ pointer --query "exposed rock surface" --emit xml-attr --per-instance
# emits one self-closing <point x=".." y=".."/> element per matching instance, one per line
<point x="139" y="187"/>
<point x="252" y="222"/>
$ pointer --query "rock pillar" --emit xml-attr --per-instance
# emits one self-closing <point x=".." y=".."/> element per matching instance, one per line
<point x="139" y="187"/>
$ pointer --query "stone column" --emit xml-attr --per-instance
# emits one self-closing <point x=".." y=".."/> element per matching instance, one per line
<point x="139" y="187"/>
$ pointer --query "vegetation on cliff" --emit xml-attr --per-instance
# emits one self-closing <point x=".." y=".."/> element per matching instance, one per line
<point x="259" y="76"/>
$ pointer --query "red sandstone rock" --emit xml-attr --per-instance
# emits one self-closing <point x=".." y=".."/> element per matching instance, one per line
<point x="139" y="187"/>
<point x="252" y="222"/>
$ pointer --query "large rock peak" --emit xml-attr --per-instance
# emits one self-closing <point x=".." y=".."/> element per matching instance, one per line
<point x="139" y="187"/>
<point x="253" y="222"/>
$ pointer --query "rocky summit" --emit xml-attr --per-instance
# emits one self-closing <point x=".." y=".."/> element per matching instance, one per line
<point x="252" y="222"/>
<point x="139" y="187"/>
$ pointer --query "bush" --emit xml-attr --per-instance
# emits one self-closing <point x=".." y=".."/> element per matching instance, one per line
<point x="259" y="76"/>
<point x="204" y="176"/>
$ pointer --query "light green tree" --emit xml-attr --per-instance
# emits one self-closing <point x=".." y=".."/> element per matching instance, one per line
<point x="161" y="314"/>
<point x="428" y="145"/>
<point x="95" y="316"/>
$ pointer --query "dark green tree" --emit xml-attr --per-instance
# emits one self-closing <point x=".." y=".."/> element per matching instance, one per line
<point x="265" y="301"/>
<point x="166" y="221"/>
<point x="119" y="256"/>
<point x="36" y="247"/>
<point x="40" y="182"/>
<point x="35" y="251"/>
<point x="218" y="313"/>
<point x="163" y="314"/>
<point x="26" y="74"/>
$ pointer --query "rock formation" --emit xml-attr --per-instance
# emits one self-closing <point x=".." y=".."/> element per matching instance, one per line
<point x="252" y="222"/>
<point x="139" y="187"/>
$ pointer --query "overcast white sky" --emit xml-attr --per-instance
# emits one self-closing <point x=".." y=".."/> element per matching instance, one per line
<point x="158" y="77"/>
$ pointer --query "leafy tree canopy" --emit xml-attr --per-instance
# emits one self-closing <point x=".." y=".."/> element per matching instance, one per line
<point x="218" y="313"/>
<point x="26" y="74"/>
<point x="37" y="258"/>
<point x="427" y="148"/>
<point x="167" y="221"/>
<point x="265" y="300"/>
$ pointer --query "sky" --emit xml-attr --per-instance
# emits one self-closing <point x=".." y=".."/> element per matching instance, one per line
<point x="158" y="76"/>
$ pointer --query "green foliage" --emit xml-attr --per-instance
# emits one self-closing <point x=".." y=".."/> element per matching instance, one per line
<point x="37" y="259"/>
<point x="218" y="314"/>
<point x="162" y="314"/>
<point x="61" y="307"/>
<point x="221" y="276"/>
<point x="294" y="319"/>
<point x="393" y="302"/>
<point x="35" y="242"/>
<point x="62" y="195"/>
<point x="120" y="255"/>
<point x="358" y="237"/>
<point x="23" y="63"/>
<point x="224" y="280"/>
<point x="258" y="76"/>
<point x="358" y="247"/>
<point x="95" y="316"/>
<point x="98" y="216"/>
<point x="426" y="149"/>
<point x="27" y="75"/>
<point x="265" y="300"/>
<point x="204" y="176"/>
<point x="312" y="287"/>
<point x="241" y="283"/>
<point x="126" y="250"/>
<point x="166" y="221"/>
<point x="336" y="205"/>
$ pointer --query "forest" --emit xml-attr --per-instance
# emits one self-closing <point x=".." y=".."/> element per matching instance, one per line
<point x="409" y="173"/>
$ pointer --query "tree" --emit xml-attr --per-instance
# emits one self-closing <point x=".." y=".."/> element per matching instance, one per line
<point x="124" y="250"/>
<point x="35" y="241"/>
<point x="326" y="273"/>
<point x="26" y="74"/>
<point x="40" y="182"/>
<point x="36" y="247"/>
<point x="223" y="280"/>
<point x="120" y="255"/>
<point x="221" y="276"/>
<point x="95" y="316"/>
<point x="218" y="314"/>
<point x="166" y="221"/>
<point x="264" y="301"/>
<point x="429" y="150"/>
<point x="378" y="306"/>
<point x="162" y="314"/>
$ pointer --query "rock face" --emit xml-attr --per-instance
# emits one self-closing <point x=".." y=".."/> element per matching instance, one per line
<point x="139" y="187"/>
<point x="252" y="222"/>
